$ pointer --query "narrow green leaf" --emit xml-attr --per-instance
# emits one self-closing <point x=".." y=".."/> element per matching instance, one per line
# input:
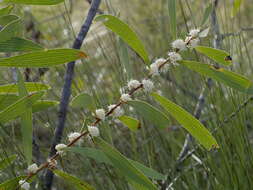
<point x="6" y="19"/>
<point x="236" y="7"/>
<point x="126" y="34"/>
<point x="19" y="107"/>
<point x="132" y="123"/>
<point x="207" y="13"/>
<point x="150" y="113"/>
<point x="10" y="30"/>
<point x="35" y="2"/>
<point x="45" y="58"/>
<point x="26" y="121"/>
<point x="82" y="100"/>
<point x="228" y="78"/>
<point x="30" y="86"/>
<point x="19" y="45"/>
<point x="7" y="161"/>
<point x="7" y="99"/>
<point x="100" y="157"/>
<point x="190" y="123"/>
<point x="6" y="10"/>
<point x="126" y="168"/>
<point x="11" y="183"/>
<point x="173" y="18"/>
<point x="42" y="105"/>
<point x="77" y="183"/>
<point x="217" y="55"/>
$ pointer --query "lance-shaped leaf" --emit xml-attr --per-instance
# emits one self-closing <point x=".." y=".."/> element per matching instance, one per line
<point x="83" y="100"/>
<point x="172" y="18"/>
<point x="125" y="33"/>
<point x="190" y="123"/>
<point x="19" y="45"/>
<point x="132" y="123"/>
<point x="207" y="13"/>
<point x="42" y="105"/>
<point x="45" y="58"/>
<point x="11" y="183"/>
<point x="26" y="121"/>
<point x="74" y="181"/>
<point x="217" y="55"/>
<point x="19" y="107"/>
<point x="30" y="86"/>
<point x="6" y="19"/>
<point x="6" y="10"/>
<point x="7" y="161"/>
<point x="35" y="2"/>
<point x="150" y="113"/>
<point x="125" y="167"/>
<point x="10" y="30"/>
<point x="231" y="79"/>
<point x="101" y="157"/>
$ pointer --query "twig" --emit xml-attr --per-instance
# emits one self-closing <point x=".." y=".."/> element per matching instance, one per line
<point x="66" y="92"/>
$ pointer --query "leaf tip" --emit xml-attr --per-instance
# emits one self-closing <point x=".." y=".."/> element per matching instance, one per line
<point x="82" y="54"/>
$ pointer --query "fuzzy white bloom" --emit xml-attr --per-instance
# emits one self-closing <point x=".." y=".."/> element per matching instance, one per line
<point x="33" y="168"/>
<point x="179" y="44"/>
<point x="100" y="114"/>
<point x="94" y="131"/>
<point x="174" y="57"/>
<point x="24" y="185"/>
<point x="73" y="136"/>
<point x="165" y="67"/>
<point x="117" y="112"/>
<point x="154" y="67"/>
<point x="148" y="85"/>
<point x="194" y="33"/>
<point x="125" y="97"/>
<point x="60" y="148"/>
<point x="132" y="84"/>
<point x="193" y="43"/>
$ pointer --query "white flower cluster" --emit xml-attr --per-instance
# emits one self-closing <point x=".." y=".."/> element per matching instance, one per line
<point x="60" y="149"/>
<point x="125" y="97"/>
<point x="100" y="114"/>
<point x="24" y="185"/>
<point x="94" y="131"/>
<point x="117" y="111"/>
<point x="73" y="136"/>
<point x="33" y="168"/>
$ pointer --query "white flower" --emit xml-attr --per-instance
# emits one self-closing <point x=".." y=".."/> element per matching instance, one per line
<point x="165" y="67"/>
<point x="154" y="67"/>
<point x="148" y="85"/>
<point x="204" y="33"/>
<point x="193" y="43"/>
<point x="94" y="131"/>
<point x="174" y="57"/>
<point x="60" y="148"/>
<point x="117" y="111"/>
<point x="24" y="185"/>
<point x="33" y="168"/>
<point x="73" y="136"/>
<point x="179" y="44"/>
<point x="194" y="33"/>
<point x="125" y="97"/>
<point x="132" y="84"/>
<point x="100" y="113"/>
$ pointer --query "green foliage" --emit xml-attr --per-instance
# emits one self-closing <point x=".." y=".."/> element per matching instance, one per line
<point x="126" y="168"/>
<point x="83" y="100"/>
<point x="132" y="123"/>
<point x="191" y="124"/>
<point x="30" y="86"/>
<point x="173" y="17"/>
<point x="77" y="183"/>
<point x="229" y="78"/>
<point x="6" y="10"/>
<point x="11" y="183"/>
<point x="6" y="19"/>
<point x="42" y="105"/>
<point x="11" y="30"/>
<point x="19" y="107"/>
<point x="35" y="2"/>
<point x="217" y="55"/>
<point x="236" y="7"/>
<point x="150" y="113"/>
<point x="45" y="58"/>
<point x="101" y="157"/>
<point x="125" y="33"/>
<point x="4" y="163"/>
<point x="18" y="45"/>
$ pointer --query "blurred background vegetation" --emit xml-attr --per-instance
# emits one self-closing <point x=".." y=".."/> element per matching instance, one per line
<point x="108" y="68"/>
